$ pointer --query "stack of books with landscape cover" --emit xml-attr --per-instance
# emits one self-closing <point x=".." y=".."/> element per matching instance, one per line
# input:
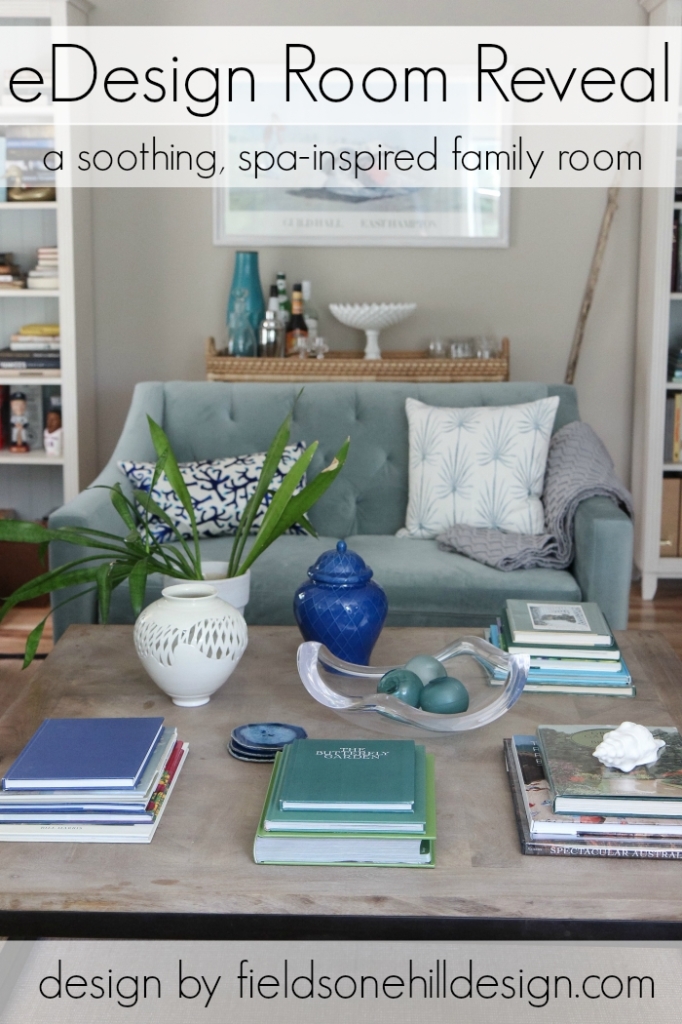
<point x="350" y="802"/>
<point x="91" y="780"/>
<point x="568" y="804"/>
<point x="571" y="648"/>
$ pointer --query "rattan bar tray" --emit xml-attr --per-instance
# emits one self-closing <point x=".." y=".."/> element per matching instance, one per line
<point x="394" y="366"/>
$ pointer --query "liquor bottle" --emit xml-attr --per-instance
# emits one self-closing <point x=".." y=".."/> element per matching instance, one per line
<point x="297" y="331"/>
<point x="310" y="314"/>
<point x="283" y="299"/>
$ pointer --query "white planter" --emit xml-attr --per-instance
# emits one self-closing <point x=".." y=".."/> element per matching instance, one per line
<point x="235" y="590"/>
<point x="190" y="642"/>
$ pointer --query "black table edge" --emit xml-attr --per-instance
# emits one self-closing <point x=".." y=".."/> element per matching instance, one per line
<point x="261" y="927"/>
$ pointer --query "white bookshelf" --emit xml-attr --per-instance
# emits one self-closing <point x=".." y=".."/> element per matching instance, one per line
<point x="657" y="313"/>
<point x="35" y="483"/>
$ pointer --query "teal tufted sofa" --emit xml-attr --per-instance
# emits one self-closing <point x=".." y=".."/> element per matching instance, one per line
<point x="366" y="505"/>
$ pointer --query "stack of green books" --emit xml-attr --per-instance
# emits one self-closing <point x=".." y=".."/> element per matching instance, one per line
<point x="568" y="804"/>
<point x="349" y="802"/>
<point x="571" y="648"/>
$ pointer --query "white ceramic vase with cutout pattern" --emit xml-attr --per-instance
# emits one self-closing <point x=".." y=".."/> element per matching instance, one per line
<point x="190" y="642"/>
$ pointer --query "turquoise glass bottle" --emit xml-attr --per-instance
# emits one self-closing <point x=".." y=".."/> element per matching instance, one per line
<point x="246" y="278"/>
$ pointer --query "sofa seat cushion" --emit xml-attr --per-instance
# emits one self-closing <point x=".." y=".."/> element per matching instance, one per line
<point x="428" y="587"/>
<point x="425" y="586"/>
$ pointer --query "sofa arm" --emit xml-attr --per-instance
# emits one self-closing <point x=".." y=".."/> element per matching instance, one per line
<point x="603" y="557"/>
<point x="92" y="509"/>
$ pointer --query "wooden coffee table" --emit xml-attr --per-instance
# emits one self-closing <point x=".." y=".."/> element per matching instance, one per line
<point x="198" y="879"/>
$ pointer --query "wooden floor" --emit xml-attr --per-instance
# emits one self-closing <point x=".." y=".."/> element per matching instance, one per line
<point x="663" y="614"/>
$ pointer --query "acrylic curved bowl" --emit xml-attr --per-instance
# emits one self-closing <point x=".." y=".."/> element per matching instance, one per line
<point x="372" y="317"/>
<point x="350" y="690"/>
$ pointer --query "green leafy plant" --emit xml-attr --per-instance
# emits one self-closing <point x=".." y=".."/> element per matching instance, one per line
<point x="111" y="558"/>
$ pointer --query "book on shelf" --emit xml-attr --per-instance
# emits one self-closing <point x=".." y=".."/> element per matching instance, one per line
<point x="670" y="516"/>
<point x="675" y="262"/>
<point x="85" y="753"/>
<point x="582" y="785"/>
<point x="547" y="650"/>
<point x="387" y="848"/>
<point x="88" y="832"/>
<point x="580" y="624"/>
<point x="11" y="360"/>
<point x="348" y="775"/>
<point x="585" y="845"/>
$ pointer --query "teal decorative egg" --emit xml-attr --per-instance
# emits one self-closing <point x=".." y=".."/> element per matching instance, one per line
<point x="446" y="696"/>
<point x="426" y="667"/>
<point x="403" y="684"/>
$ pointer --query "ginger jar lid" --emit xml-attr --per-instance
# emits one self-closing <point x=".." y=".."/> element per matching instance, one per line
<point x="340" y="567"/>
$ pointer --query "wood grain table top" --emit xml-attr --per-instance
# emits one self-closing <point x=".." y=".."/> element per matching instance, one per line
<point x="199" y="866"/>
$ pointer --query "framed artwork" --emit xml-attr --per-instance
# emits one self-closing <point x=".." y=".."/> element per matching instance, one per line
<point x="382" y="209"/>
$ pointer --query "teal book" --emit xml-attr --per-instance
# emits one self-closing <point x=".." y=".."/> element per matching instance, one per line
<point x="277" y="819"/>
<point x="349" y="775"/>
<point x="351" y="849"/>
<point x="582" y="785"/>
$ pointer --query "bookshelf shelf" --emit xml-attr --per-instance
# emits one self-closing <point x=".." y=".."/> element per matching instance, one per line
<point x="51" y="205"/>
<point x="31" y="378"/>
<point x="28" y="293"/>
<point x="35" y="458"/>
<point x="672" y="467"/>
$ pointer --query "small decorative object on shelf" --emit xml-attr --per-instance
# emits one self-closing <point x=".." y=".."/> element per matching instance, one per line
<point x="341" y="606"/>
<point x="337" y="365"/>
<point x="297" y="330"/>
<point x="372" y="319"/>
<point x="246" y="278"/>
<point x="270" y="336"/>
<point x="20" y="423"/>
<point x="190" y="642"/>
<point x="319" y="348"/>
<point x="241" y="335"/>
<point x="52" y="435"/>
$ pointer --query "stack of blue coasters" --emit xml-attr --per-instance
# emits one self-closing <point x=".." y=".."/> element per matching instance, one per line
<point x="260" y="741"/>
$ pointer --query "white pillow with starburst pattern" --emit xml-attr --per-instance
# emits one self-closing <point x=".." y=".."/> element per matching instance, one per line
<point x="483" y="466"/>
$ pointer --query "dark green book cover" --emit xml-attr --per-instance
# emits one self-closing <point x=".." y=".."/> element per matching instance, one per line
<point x="336" y="820"/>
<point x="349" y="775"/>
<point x="573" y="772"/>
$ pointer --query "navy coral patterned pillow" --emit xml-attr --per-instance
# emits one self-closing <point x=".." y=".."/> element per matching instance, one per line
<point x="219" y="488"/>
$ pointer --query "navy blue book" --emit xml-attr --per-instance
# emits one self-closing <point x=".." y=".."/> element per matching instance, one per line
<point x="84" y="753"/>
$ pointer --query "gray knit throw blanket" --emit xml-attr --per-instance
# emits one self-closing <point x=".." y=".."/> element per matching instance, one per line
<point x="578" y="467"/>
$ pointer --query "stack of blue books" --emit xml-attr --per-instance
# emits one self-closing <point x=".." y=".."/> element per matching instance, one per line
<point x="91" y="780"/>
<point x="571" y="648"/>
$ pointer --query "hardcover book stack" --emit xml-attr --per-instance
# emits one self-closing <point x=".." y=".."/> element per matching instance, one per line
<point x="45" y="274"/>
<point x="35" y="349"/>
<point x="571" y="648"/>
<point x="91" y="780"/>
<point x="350" y="802"/>
<point x="11" y="276"/>
<point x="568" y="804"/>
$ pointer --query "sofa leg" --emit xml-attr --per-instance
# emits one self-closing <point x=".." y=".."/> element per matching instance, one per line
<point x="649" y="585"/>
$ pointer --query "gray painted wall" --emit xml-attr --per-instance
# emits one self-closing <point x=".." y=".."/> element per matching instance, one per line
<point x="161" y="286"/>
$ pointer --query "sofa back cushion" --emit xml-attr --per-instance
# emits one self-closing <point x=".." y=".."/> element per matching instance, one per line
<point x="207" y="420"/>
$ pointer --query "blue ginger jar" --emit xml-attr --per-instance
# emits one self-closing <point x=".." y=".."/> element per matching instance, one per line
<point x="341" y="606"/>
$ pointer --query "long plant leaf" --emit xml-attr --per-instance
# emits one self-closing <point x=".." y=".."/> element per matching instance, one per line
<point x="35" y="635"/>
<point x="271" y="462"/>
<point x="32" y="641"/>
<point x="155" y="509"/>
<point x="298" y="505"/>
<point x="137" y="583"/>
<point x="123" y="506"/>
<point x="104" y="588"/>
<point x="277" y="506"/>
<point x="174" y="477"/>
<point x="41" y="585"/>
